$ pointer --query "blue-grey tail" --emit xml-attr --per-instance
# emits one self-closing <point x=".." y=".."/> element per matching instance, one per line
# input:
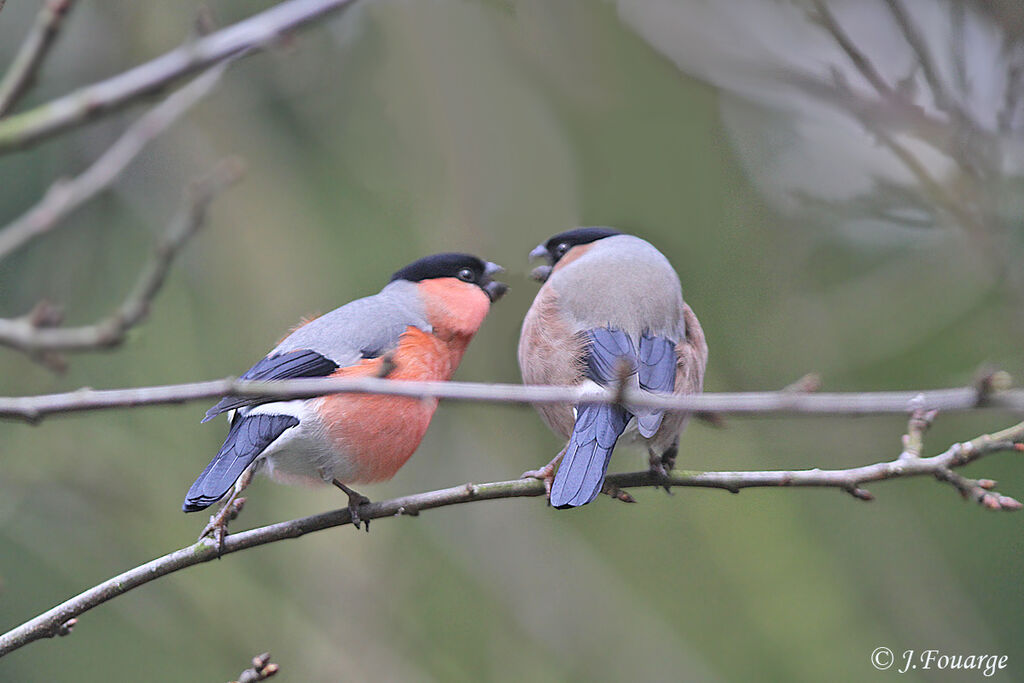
<point x="581" y="475"/>
<point x="248" y="436"/>
<point x="609" y="353"/>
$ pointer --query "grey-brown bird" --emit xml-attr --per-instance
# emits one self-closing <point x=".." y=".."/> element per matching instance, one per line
<point x="611" y="307"/>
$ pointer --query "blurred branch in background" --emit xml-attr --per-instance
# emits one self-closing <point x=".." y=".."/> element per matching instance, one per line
<point x="943" y="136"/>
<point x="27" y="62"/>
<point x="64" y="196"/>
<point x="87" y="103"/>
<point x="37" y="333"/>
<point x="896" y="115"/>
<point x="55" y="621"/>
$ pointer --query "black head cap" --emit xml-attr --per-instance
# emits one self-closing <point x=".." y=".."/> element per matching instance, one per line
<point x="465" y="267"/>
<point x="557" y="247"/>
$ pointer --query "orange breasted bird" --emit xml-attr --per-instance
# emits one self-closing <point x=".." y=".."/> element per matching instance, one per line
<point x="611" y="309"/>
<point x="419" y="325"/>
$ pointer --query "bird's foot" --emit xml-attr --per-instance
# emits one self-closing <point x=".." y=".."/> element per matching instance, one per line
<point x="617" y="493"/>
<point x="661" y="465"/>
<point x="355" y="501"/>
<point x="546" y="474"/>
<point x="217" y="529"/>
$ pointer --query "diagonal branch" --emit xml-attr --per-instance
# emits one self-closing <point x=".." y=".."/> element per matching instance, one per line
<point x="860" y="60"/>
<point x="943" y="100"/>
<point x="65" y="196"/>
<point x="33" y="51"/>
<point x="58" y="620"/>
<point x="117" y="92"/>
<point x="32" y="335"/>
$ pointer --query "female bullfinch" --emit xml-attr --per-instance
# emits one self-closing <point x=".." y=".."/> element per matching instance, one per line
<point x="610" y="304"/>
<point x="419" y="325"/>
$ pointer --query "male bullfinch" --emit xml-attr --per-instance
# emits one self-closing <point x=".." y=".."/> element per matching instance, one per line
<point x="610" y="307"/>
<point x="416" y="328"/>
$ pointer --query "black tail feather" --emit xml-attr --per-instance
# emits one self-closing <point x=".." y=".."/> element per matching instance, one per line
<point x="248" y="437"/>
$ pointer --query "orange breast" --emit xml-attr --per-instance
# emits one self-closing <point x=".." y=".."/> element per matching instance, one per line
<point x="378" y="434"/>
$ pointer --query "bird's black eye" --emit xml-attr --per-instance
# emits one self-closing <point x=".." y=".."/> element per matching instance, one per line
<point x="561" y="249"/>
<point x="466" y="275"/>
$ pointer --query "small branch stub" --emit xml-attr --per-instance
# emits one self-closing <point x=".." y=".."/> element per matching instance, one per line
<point x="262" y="669"/>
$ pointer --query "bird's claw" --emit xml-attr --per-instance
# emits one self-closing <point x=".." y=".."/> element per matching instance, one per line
<point x="617" y="493"/>
<point x="546" y="474"/>
<point x="217" y="529"/>
<point x="355" y="501"/>
<point x="661" y="465"/>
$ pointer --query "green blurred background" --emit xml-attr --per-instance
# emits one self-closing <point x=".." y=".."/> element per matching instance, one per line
<point x="399" y="129"/>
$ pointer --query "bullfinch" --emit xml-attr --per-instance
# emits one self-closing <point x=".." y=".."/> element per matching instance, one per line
<point x="416" y="328"/>
<point x="610" y="309"/>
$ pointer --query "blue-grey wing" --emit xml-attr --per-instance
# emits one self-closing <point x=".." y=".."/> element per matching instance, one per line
<point x="656" y="370"/>
<point x="608" y="348"/>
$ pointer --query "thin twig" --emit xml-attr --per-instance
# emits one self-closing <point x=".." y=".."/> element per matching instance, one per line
<point x="65" y="196"/>
<point x="969" y="149"/>
<point x="32" y="409"/>
<point x="53" y="621"/>
<point x="943" y="101"/>
<point x="860" y="60"/>
<point x="41" y="341"/>
<point x="27" y="62"/>
<point x="87" y="103"/>
<point x="913" y="441"/>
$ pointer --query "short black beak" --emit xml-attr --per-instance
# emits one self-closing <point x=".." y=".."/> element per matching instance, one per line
<point x="540" y="273"/>
<point x="495" y="290"/>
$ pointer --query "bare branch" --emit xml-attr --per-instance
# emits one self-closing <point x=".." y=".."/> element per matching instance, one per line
<point x="34" y="408"/>
<point x="36" y="335"/>
<point x="33" y="51"/>
<point x="65" y="196"/>
<point x="53" y="622"/>
<point x="87" y="103"/>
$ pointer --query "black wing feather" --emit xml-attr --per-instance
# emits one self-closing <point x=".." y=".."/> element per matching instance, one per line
<point x="288" y="365"/>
